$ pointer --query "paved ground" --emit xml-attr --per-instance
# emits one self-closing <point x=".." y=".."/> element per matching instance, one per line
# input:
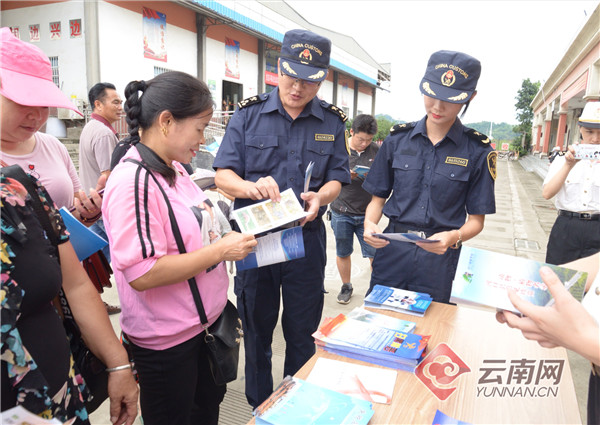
<point x="520" y="227"/>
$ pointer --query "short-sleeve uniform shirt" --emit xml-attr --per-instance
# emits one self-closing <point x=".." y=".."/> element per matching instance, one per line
<point x="434" y="186"/>
<point x="263" y="140"/>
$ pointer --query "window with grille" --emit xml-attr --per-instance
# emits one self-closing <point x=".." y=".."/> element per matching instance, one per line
<point x="159" y="70"/>
<point x="54" y="65"/>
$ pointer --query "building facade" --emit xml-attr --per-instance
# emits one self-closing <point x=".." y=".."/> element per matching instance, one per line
<point x="231" y="45"/>
<point x="575" y="81"/>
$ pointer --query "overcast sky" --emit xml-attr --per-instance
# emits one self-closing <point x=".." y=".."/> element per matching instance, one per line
<point x="514" y="40"/>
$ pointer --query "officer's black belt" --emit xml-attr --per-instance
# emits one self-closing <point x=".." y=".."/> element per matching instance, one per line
<point x="581" y="216"/>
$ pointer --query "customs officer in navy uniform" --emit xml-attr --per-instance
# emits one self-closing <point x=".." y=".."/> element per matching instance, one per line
<point x="439" y="176"/>
<point x="269" y="142"/>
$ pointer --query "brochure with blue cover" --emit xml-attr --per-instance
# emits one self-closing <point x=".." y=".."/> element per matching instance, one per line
<point x="285" y="245"/>
<point x="297" y="402"/>
<point x="400" y="300"/>
<point x="84" y="241"/>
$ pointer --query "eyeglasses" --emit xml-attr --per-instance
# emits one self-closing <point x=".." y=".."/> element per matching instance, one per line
<point x="302" y="83"/>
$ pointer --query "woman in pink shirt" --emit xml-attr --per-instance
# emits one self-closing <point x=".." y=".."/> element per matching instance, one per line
<point x="167" y="117"/>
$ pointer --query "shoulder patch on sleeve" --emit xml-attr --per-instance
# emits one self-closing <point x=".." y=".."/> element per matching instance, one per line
<point x="402" y="127"/>
<point x="492" y="160"/>
<point x="474" y="134"/>
<point x="251" y="101"/>
<point x="335" y="110"/>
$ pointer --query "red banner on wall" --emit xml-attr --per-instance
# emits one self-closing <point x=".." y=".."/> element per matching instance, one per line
<point x="271" y="78"/>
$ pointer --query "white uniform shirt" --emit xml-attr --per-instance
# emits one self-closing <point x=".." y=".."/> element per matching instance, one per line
<point x="581" y="190"/>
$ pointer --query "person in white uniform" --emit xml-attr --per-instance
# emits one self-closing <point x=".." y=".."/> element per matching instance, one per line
<point x="575" y="186"/>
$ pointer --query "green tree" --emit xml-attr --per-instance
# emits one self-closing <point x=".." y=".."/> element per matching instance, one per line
<point x="525" y="113"/>
<point x="383" y="128"/>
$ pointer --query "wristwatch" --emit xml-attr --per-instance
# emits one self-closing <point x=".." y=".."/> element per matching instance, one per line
<point x="458" y="243"/>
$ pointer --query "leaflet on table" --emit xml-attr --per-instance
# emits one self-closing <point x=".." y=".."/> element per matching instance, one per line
<point x="285" y="245"/>
<point x="382" y="320"/>
<point x="18" y="415"/>
<point x="369" y="383"/>
<point x="443" y="419"/>
<point x="408" y="366"/>
<point x="400" y="300"/>
<point x="369" y="339"/>
<point x="361" y="170"/>
<point x="404" y="237"/>
<point x="587" y="151"/>
<point x="482" y="278"/>
<point x="267" y="215"/>
<point x="84" y="241"/>
<point x="296" y="401"/>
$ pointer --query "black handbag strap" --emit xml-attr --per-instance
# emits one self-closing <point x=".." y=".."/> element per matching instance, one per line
<point x="180" y="244"/>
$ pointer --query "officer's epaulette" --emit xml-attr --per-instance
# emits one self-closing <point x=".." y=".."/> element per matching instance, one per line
<point x="335" y="110"/>
<point x="251" y="101"/>
<point x="474" y="134"/>
<point x="402" y="127"/>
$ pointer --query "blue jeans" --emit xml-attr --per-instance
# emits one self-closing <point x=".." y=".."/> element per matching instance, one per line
<point x="98" y="228"/>
<point x="344" y="228"/>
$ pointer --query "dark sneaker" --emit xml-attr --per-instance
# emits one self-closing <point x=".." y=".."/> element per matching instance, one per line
<point x="345" y="294"/>
<point x="112" y="309"/>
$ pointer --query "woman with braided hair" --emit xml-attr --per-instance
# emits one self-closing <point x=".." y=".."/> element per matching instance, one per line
<point x="167" y="117"/>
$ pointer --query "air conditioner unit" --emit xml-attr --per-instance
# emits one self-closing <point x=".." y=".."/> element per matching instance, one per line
<point x="67" y="114"/>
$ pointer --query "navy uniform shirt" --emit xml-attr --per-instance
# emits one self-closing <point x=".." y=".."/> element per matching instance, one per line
<point x="262" y="140"/>
<point x="434" y="186"/>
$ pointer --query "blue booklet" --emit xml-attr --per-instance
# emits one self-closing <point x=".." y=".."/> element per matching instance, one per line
<point x="299" y="402"/>
<point x="400" y="300"/>
<point x="285" y="245"/>
<point x="84" y="241"/>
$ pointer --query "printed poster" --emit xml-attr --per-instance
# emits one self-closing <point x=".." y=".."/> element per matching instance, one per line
<point x="155" y="34"/>
<point x="232" y="58"/>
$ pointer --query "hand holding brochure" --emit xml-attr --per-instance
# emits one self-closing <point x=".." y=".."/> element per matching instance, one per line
<point x="404" y="237"/>
<point x="361" y="170"/>
<point x="483" y="277"/>
<point x="587" y="151"/>
<point x="268" y="215"/>
<point x="84" y="241"/>
<point x="285" y="245"/>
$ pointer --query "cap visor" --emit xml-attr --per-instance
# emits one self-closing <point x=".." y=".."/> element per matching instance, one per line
<point x="588" y="124"/>
<point x="304" y="72"/>
<point x="32" y="91"/>
<point x="444" y="93"/>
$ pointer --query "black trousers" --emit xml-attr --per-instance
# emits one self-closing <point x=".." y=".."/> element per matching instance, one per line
<point x="593" y="406"/>
<point x="176" y="386"/>
<point x="572" y="238"/>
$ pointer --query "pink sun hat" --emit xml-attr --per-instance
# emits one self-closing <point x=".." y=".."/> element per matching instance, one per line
<point x="26" y="75"/>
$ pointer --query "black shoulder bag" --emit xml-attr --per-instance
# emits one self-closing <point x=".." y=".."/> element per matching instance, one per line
<point x="88" y="365"/>
<point x="223" y="337"/>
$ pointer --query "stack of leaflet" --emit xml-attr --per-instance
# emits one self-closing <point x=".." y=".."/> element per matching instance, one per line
<point x="373" y="338"/>
<point x="297" y="402"/>
<point x="399" y="300"/>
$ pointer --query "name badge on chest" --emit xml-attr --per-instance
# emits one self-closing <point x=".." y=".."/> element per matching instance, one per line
<point x="324" y="137"/>
<point x="456" y="161"/>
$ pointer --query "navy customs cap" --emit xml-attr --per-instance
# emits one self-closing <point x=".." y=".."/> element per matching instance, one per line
<point x="451" y="76"/>
<point x="305" y="55"/>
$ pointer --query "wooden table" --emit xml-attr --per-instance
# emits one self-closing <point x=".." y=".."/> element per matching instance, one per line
<point x="476" y="337"/>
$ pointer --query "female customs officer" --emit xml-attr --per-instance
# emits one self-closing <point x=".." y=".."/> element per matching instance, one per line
<point x="440" y="175"/>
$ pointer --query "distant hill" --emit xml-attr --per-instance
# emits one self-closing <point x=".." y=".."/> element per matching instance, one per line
<point x="500" y="131"/>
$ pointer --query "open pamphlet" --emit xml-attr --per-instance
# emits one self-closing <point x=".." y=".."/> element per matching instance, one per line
<point x="399" y="300"/>
<point x="84" y="241"/>
<point x="268" y="215"/>
<point x="404" y="237"/>
<point x="361" y="170"/>
<point x="296" y="401"/>
<point x="587" y="151"/>
<point x="483" y="277"/>
<point x="285" y="245"/>
<point x="370" y="383"/>
<point x="18" y="415"/>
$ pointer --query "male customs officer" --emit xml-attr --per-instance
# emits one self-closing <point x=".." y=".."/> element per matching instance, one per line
<point x="437" y="171"/>
<point x="269" y="142"/>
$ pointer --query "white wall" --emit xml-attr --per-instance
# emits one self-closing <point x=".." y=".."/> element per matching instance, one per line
<point x="122" y="51"/>
<point x="70" y="51"/>
<point x="364" y="103"/>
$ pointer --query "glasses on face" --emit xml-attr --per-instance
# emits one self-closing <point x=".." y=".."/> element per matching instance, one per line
<point x="302" y="83"/>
